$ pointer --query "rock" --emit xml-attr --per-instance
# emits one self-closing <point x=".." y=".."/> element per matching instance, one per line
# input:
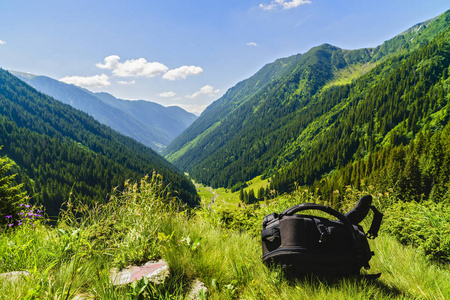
<point x="15" y="275"/>
<point x="197" y="288"/>
<point x="83" y="297"/>
<point x="155" y="271"/>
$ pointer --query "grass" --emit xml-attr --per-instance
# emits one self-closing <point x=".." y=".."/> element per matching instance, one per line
<point x="224" y="198"/>
<point x="347" y="75"/>
<point x="139" y="224"/>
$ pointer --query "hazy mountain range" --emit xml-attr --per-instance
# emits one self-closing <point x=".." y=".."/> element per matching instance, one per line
<point x="147" y="122"/>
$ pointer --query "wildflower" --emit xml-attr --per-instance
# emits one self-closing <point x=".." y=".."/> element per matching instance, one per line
<point x="27" y="206"/>
<point x="39" y="211"/>
<point x="21" y="204"/>
<point x="8" y="216"/>
<point x="20" y="214"/>
<point x="20" y="223"/>
<point x="10" y="224"/>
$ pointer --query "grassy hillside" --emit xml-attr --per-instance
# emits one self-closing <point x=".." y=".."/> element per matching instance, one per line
<point x="221" y="248"/>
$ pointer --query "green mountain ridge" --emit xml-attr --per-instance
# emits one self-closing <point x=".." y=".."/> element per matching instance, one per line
<point x="61" y="151"/>
<point x="288" y="122"/>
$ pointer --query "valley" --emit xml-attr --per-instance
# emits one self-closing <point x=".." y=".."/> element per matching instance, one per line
<point x="91" y="183"/>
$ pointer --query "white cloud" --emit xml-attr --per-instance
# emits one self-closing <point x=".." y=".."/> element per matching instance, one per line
<point x="2" y="42"/>
<point x="87" y="82"/>
<point x="206" y="90"/>
<point x="126" y="82"/>
<point x="132" y="68"/>
<point x="283" y="4"/>
<point x="252" y="44"/>
<point x="182" y="72"/>
<point x="167" y="94"/>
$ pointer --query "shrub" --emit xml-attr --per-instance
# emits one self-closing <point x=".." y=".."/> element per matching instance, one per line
<point x="425" y="226"/>
<point x="10" y="193"/>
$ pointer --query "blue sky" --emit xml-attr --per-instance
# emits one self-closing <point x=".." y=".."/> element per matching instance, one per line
<point x="186" y="53"/>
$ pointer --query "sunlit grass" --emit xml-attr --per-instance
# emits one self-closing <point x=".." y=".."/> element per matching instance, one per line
<point x="139" y="224"/>
<point x="348" y="74"/>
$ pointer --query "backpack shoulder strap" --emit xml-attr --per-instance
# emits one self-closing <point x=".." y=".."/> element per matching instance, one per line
<point x="376" y="223"/>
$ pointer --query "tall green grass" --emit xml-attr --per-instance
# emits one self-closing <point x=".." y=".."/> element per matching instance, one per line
<point x="223" y="250"/>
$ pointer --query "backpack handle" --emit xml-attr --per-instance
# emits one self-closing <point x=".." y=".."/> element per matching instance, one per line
<point x="371" y="233"/>
<point x="313" y="206"/>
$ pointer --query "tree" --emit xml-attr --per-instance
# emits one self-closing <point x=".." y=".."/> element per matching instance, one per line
<point x="251" y="196"/>
<point x="10" y="193"/>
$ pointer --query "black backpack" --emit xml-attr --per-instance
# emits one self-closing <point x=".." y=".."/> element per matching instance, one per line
<point x="304" y="244"/>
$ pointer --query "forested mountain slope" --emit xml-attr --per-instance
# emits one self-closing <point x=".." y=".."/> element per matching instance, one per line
<point x="385" y="108"/>
<point x="60" y="150"/>
<point x="310" y="120"/>
<point x="147" y="122"/>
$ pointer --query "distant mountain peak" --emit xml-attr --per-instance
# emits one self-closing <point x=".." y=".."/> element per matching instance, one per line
<point x="23" y="74"/>
<point x="418" y="27"/>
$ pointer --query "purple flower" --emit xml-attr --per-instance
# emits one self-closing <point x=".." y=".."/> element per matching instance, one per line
<point x="39" y="211"/>
<point x="11" y="224"/>
<point x="20" y="214"/>
<point x="8" y="216"/>
<point x="20" y="223"/>
<point x="21" y="204"/>
<point x="27" y="206"/>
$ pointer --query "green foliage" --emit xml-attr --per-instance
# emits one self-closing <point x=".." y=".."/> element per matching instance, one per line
<point x="426" y="226"/>
<point x="88" y="241"/>
<point x="10" y="193"/>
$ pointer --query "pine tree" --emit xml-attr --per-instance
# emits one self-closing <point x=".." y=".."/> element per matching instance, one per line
<point x="10" y="193"/>
<point x="246" y="197"/>
<point x="241" y="194"/>
<point x="251" y="196"/>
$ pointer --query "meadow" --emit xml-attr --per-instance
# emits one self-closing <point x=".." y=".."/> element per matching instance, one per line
<point x="215" y="244"/>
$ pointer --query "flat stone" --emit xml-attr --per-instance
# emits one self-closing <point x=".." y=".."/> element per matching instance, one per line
<point x="83" y="297"/>
<point x="196" y="289"/>
<point x="156" y="272"/>
<point x="13" y="276"/>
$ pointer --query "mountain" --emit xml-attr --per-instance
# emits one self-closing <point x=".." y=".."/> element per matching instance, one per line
<point x="303" y="118"/>
<point x="61" y="151"/>
<point x="167" y="122"/>
<point x="149" y="123"/>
